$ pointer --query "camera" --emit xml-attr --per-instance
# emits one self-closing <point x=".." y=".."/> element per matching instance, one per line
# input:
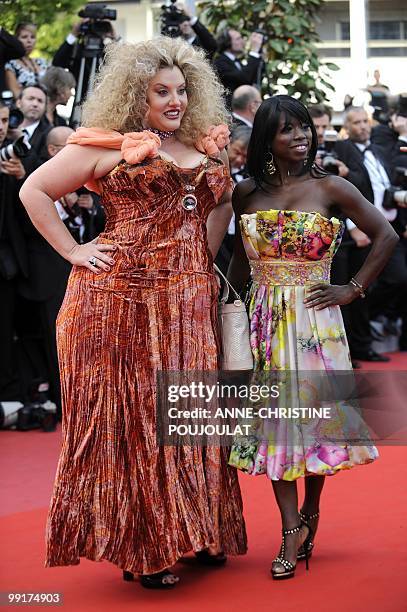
<point x="396" y="194"/>
<point x="170" y="18"/>
<point x="264" y="34"/>
<point x="15" y="150"/>
<point x="380" y="103"/>
<point x="16" y="117"/>
<point x="37" y="416"/>
<point x="327" y="153"/>
<point x="38" y="412"/>
<point x="401" y="107"/>
<point x="98" y="16"/>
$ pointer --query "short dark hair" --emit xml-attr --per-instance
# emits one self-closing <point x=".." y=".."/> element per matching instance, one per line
<point x="319" y="110"/>
<point x="3" y="104"/>
<point x="55" y="79"/>
<point x="37" y="86"/>
<point x="265" y="127"/>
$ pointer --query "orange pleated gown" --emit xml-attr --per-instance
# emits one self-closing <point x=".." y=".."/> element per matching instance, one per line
<point x="118" y="496"/>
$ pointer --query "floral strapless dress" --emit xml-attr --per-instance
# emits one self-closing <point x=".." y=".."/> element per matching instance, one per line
<point x="289" y="250"/>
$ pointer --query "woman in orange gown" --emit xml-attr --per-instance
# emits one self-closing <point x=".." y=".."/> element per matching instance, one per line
<point x="141" y="299"/>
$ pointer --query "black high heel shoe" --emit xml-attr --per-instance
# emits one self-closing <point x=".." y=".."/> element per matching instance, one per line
<point x="309" y="541"/>
<point x="154" y="581"/>
<point x="205" y="558"/>
<point x="289" y="568"/>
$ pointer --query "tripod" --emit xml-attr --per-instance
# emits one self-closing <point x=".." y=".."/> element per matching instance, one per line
<point x="90" y="51"/>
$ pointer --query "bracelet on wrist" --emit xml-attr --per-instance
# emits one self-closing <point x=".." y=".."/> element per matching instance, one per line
<point x="358" y="286"/>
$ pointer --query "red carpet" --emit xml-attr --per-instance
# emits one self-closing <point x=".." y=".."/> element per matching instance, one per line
<point x="360" y="560"/>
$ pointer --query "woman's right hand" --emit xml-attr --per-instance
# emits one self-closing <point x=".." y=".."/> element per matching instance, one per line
<point x="94" y="256"/>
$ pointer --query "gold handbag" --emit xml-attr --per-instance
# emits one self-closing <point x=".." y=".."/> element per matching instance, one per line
<point x="235" y="331"/>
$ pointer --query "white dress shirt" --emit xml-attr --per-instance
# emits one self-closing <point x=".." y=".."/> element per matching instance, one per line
<point x="379" y="180"/>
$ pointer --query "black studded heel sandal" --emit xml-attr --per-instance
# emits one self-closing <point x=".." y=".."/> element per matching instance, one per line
<point x="289" y="568"/>
<point x="309" y="542"/>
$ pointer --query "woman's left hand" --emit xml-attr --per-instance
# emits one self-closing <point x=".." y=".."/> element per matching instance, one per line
<point x="321" y="295"/>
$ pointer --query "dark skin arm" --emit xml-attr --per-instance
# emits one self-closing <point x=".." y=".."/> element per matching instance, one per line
<point x="239" y="268"/>
<point x="372" y="223"/>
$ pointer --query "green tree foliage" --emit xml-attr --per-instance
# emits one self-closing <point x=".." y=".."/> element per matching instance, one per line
<point x="53" y="18"/>
<point x="292" y="61"/>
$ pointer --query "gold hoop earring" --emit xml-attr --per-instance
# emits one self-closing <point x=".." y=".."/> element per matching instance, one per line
<point x="270" y="165"/>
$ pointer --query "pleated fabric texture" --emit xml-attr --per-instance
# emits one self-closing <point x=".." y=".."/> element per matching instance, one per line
<point x="118" y="496"/>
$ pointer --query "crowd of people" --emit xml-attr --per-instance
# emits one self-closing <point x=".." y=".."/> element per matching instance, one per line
<point x="38" y="87"/>
<point x="154" y="150"/>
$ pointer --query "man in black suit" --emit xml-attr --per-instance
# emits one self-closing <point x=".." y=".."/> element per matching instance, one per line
<point x="10" y="48"/>
<point x="33" y="103"/>
<point x="228" y="65"/>
<point x="391" y="137"/>
<point x="13" y="264"/>
<point x="366" y="168"/>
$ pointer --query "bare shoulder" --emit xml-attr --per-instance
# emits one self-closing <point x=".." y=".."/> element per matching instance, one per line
<point x="245" y="187"/>
<point x="240" y="192"/>
<point x="71" y="168"/>
<point x="337" y="188"/>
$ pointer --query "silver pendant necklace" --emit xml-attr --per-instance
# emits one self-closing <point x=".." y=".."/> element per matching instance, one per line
<point x="189" y="200"/>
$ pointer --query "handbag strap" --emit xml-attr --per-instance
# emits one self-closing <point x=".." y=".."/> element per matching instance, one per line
<point x="227" y="286"/>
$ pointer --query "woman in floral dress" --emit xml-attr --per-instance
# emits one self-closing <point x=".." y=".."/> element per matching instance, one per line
<point x="27" y="70"/>
<point x="287" y="238"/>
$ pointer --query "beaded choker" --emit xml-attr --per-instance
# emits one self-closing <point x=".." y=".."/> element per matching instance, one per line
<point x="160" y="133"/>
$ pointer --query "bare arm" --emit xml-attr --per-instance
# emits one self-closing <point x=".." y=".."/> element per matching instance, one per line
<point x="219" y="218"/>
<point x="239" y="269"/>
<point x="64" y="173"/>
<point x="371" y="222"/>
<point x="11" y="83"/>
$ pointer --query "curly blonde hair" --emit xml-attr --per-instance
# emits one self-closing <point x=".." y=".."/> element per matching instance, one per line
<point x="118" y="101"/>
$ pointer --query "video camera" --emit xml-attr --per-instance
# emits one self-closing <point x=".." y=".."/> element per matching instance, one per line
<point x="327" y="152"/>
<point x="98" y="16"/>
<point x="170" y="19"/>
<point x="16" y="117"/>
<point x="396" y="194"/>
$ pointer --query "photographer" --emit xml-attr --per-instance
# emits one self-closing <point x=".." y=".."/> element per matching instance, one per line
<point x="370" y="173"/>
<point x="59" y="84"/>
<point x="391" y="134"/>
<point x="13" y="259"/>
<point x="32" y="102"/>
<point x="83" y="51"/>
<point x="327" y="138"/>
<point x="69" y="54"/>
<point x="232" y="72"/>
<point x="195" y="33"/>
